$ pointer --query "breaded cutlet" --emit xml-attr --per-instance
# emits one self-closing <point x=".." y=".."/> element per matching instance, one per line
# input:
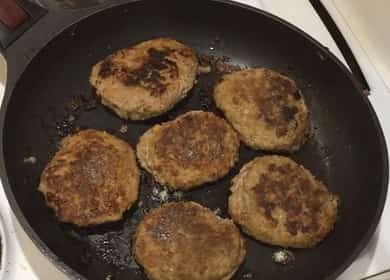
<point x="186" y="241"/>
<point x="279" y="202"/>
<point x="92" y="179"/>
<point x="265" y="107"/>
<point x="195" y="148"/>
<point x="147" y="79"/>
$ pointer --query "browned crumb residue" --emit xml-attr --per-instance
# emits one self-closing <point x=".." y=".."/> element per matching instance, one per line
<point x="193" y="141"/>
<point x="149" y="74"/>
<point x="285" y="188"/>
<point x="216" y="64"/>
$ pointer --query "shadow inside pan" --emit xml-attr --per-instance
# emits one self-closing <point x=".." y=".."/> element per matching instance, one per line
<point x="74" y="4"/>
<point x="344" y="152"/>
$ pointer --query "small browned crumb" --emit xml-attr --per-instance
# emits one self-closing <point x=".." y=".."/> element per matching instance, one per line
<point x="217" y="211"/>
<point x="248" y="275"/>
<point x="283" y="257"/>
<point x="178" y="195"/>
<point x="224" y="67"/>
<point x="30" y="160"/>
<point x="160" y="195"/>
<point x="123" y="129"/>
<point x="211" y="63"/>
<point x="71" y="118"/>
<point x="204" y="69"/>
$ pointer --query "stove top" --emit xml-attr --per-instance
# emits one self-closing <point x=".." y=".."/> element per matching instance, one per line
<point x="26" y="262"/>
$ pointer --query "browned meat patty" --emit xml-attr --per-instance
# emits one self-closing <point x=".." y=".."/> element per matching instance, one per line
<point x="147" y="79"/>
<point x="195" y="148"/>
<point x="279" y="202"/>
<point x="92" y="179"/>
<point x="186" y="241"/>
<point x="265" y="107"/>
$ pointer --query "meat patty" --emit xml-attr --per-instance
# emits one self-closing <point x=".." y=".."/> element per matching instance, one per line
<point x="147" y="79"/>
<point x="279" y="202"/>
<point x="195" y="148"/>
<point x="91" y="180"/>
<point x="265" y="107"/>
<point x="186" y="241"/>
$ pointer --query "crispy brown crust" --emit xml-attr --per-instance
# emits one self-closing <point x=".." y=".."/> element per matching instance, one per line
<point x="149" y="75"/>
<point x="279" y="202"/>
<point x="188" y="241"/>
<point x="265" y="107"/>
<point x="92" y="179"/>
<point x="147" y="79"/>
<point x="195" y="148"/>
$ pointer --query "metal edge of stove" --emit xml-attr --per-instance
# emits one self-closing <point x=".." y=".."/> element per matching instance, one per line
<point x="379" y="98"/>
<point x="3" y="232"/>
<point x="342" y="44"/>
<point x="3" y="73"/>
<point x="376" y="82"/>
<point x="384" y="275"/>
<point x="4" y="248"/>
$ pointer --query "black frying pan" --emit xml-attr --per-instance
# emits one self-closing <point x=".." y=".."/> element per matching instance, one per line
<point x="48" y="69"/>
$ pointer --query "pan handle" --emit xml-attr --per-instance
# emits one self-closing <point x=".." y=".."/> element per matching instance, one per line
<point x="16" y="17"/>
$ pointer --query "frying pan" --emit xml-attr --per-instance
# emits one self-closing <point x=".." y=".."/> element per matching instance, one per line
<point x="48" y="96"/>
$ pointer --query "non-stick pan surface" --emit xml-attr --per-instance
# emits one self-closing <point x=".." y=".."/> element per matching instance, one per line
<point x="346" y="151"/>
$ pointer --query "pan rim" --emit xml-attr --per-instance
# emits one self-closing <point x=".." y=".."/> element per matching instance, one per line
<point x="63" y="267"/>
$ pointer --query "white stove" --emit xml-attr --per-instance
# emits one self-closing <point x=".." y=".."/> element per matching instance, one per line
<point x="24" y="260"/>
